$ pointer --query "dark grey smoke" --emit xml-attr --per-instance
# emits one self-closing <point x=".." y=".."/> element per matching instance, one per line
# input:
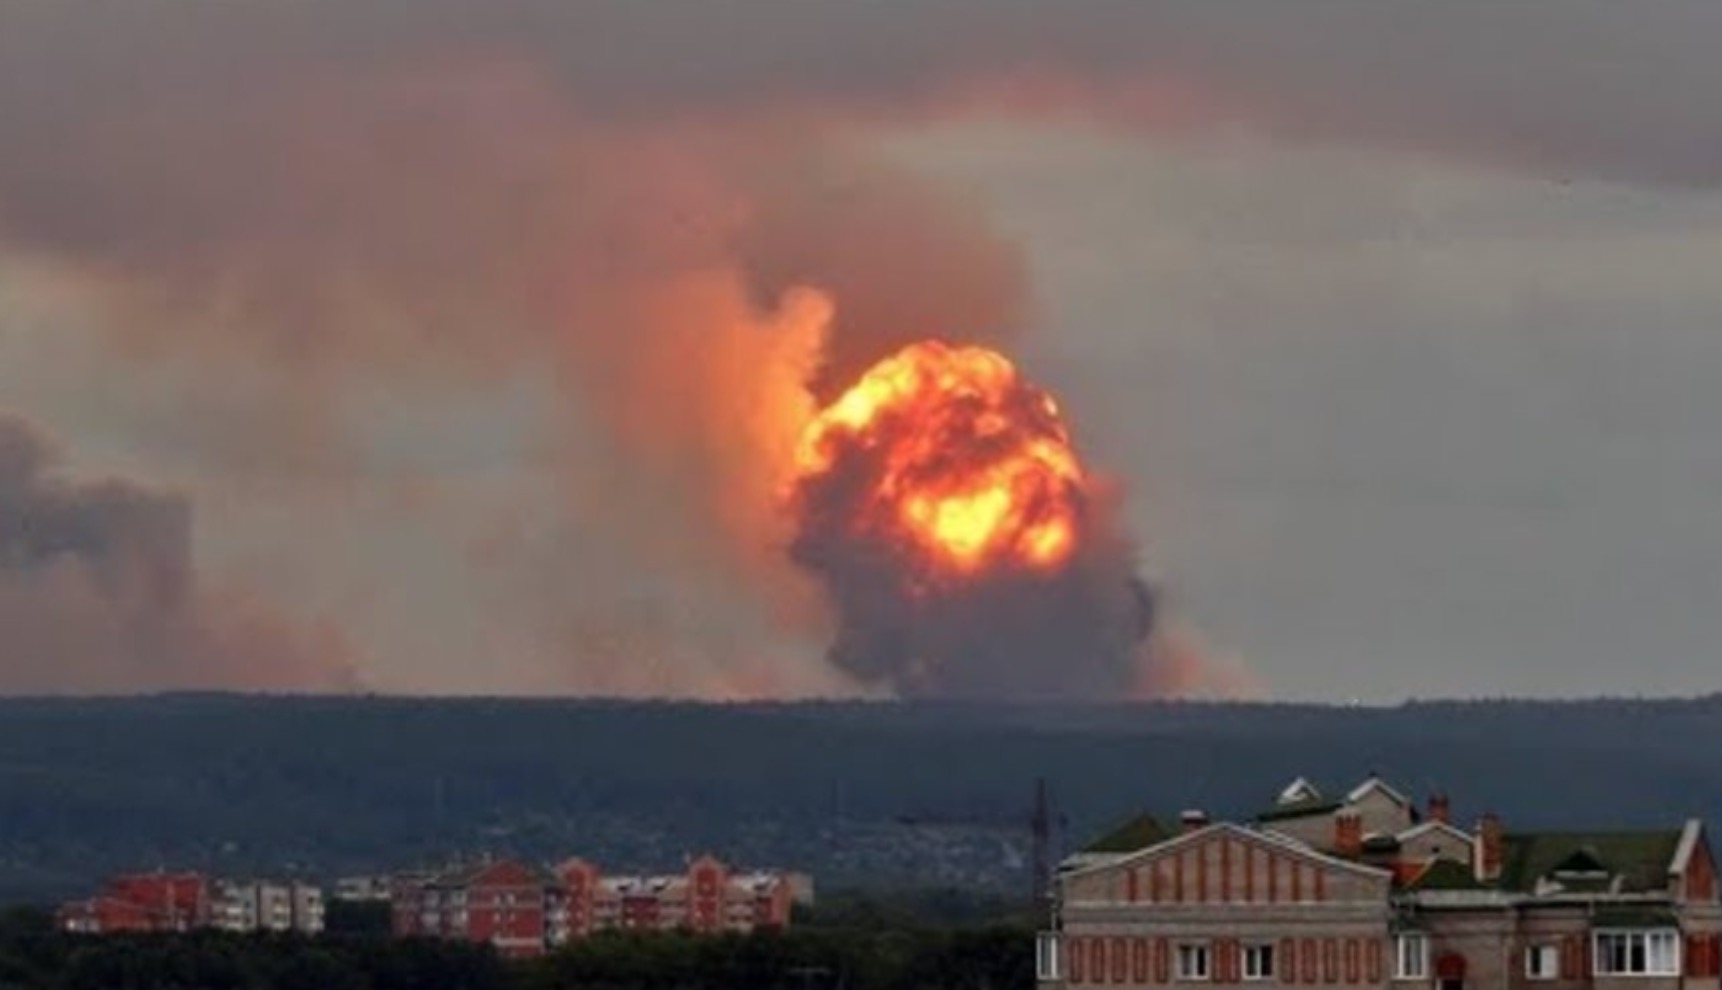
<point x="1078" y="634"/>
<point x="905" y="621"/>
<point x="98" y="593"/>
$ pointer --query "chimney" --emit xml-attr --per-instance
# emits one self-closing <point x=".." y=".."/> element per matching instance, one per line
<point x="1193" y="819"/>
<point x="1491" y="848"/>
<point x="1440" y="809"/>
<point x="1348" y="835"/>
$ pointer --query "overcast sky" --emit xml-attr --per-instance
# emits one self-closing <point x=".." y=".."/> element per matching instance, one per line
<point x="1402" y="334"/>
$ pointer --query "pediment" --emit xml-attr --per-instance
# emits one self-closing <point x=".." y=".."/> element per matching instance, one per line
<point x="1224" y="863"/>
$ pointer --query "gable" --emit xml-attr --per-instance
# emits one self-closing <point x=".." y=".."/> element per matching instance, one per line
<point x="1381" y="809"/>
<point x="1435" y="840"/>
<point x="1224" y="864"/>
<point x="1299" y="791"/>
<point x="1375" y="787"/>
<point x="1696" y="865"/>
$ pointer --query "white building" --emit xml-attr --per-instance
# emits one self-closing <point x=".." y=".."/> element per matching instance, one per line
<point x="267" y="906"/>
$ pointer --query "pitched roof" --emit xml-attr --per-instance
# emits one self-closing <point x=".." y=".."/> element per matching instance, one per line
<point x="499" y="872"/>
<point x="1444" y="874"/>
<point x="1299" y="809"/>
<point x="1138" y="833"/>
<point x="1640" y="859"/>
<point x="1084" y="862"/>
<point x="1690" y="836"/>
<point x="1434" y="825"/>
<point x="1375" y="783"/>
<point x="1299" y="790"/>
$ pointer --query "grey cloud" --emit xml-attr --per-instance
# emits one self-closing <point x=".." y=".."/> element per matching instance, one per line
<point x="1600" y="89"/>
<point x="98" y="593"/>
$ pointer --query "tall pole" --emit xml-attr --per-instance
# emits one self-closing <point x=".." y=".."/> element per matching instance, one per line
<point x="1040" y="824"/>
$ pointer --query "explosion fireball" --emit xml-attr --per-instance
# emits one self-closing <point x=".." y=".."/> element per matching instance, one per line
<point x="970" y="465"/>
<point x="941" y="501"/>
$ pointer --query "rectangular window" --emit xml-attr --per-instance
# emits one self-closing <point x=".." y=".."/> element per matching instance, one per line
<point x="1193" y="961"/>
<point x="1410" y="956"/>
<point x="1542" y="962"/>
<point x="1259" y="962"/>
<point x="1046" y="957"/>
<point x="1637" y="953"/>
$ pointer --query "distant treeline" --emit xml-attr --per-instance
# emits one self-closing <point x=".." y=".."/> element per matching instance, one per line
<point x="34" y="957"/>
<point x="883" y="794"/>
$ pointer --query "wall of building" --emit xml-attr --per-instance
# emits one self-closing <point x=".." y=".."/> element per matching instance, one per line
<point x="1437" y="843"/>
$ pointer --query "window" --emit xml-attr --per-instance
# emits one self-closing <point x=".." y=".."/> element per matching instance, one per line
<point x="1646" y="953"/>
<point x="1410" y="956"/>
<point x="1542" y="962"/>
<point x="1046" y="957"/>
<point x="1258" y="962"/>
<point x="1193" y="961"/>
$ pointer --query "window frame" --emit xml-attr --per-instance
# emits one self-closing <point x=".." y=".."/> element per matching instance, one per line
<point x="1187" y="951"/>
<point x="1402" y="941"/>
<point x="1547" y="953"/>
<point x="1049" y="956"/>
<point x="1260" y="952"/>
<point x="1645" y="938"/>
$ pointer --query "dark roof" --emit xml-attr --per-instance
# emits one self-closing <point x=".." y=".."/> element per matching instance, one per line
<point x="1137" y="833"/>
<point x="495" y="871"/>
<point x="1634" y="916"/>
<point x="1640" y="858"/>
<point x="1381" y="844"/>
<point x="1299" y="809"/>
<point x="1445" y="874"/>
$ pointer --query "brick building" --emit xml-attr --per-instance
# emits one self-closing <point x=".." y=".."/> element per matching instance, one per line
<point x="1367" y="889"/>
<point x="503" y="902"/>
<point x="707" y="898"/>
<point x="524" y="910"/>
<point x="141" y="902"/>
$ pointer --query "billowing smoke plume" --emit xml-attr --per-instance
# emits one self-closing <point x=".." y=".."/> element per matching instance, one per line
<point x="98" y="593"/>
<point x="943" y="505"/>
<point x="612" y="199"/>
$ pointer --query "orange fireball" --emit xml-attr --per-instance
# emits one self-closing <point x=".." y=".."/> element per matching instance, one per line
<point x="954" y="455"/>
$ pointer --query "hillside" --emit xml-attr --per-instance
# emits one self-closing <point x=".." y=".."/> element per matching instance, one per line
<point x="921" y="795"/>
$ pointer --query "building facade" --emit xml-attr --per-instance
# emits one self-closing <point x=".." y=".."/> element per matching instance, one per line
<point x="502" y="902"/>
<point x="707" y="898"/>
<point x="1367" y="889"/>
<point x="253" y="906"/>
<point x="524" y="910"/>
<point x="141" y="902"/>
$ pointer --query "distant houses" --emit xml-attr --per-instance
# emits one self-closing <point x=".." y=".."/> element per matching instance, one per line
<point x="521" y="909"/>
<point x="178" y="902"/>
<point x="524" y="910"/>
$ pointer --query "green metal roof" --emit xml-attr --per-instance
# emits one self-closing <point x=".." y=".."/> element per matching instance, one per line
<point x="1137" y="833"/>
<point x="1640" y="858"/>
<point x="1445" y="874"/>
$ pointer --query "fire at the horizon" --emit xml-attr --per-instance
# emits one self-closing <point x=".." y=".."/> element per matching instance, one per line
<point x="950" y="457"/>
<point x="957" y="534"/>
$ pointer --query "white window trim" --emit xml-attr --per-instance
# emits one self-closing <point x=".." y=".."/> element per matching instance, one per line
<point x="1549" y="953"/>
<point x="1186" y="951"/>
<point x="1400" y="942"/>
<point x="1049" y="956"/>
<point x="1675" y="942"/>
<point x="1261" y="951"/>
